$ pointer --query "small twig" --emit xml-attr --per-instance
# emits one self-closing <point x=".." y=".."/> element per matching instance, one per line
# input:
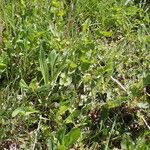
<point x="115" y="80"/>
<point x="145" y="122"/>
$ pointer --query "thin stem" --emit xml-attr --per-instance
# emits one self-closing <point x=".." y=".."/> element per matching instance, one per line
<point x="36" y="134"/>
<point x="145" y="122"/>
<point x="115" y="80"/>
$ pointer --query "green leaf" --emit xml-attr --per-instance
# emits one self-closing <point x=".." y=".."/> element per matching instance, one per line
<point x="65" y="80"/>
<point x="72" y="137"/>
<point x="17" y="111"/>
<point x="25" y="111"/>
<point x="2" y="66"/>
<point x="50" y="144"/>
<point x="71" y="117"/>
<point x="61" y="147"/>
<point x="43" y="66"/>
<point x="72" y="65"/>
<point x="23" y="3"/>
<point x="63" y="109"/>
<point x="29" y="110"/>
<point x="117" y="102"/>
<point x="60" y="136"/>
<point x="143" y="105"/>
<point x="52" y="58"/>
<point x="106" y="33"/>
<point x="23" y="85"/>
<point x="34" y="84"/>
<point x="127" y="1"/>
<point x="146" y="80"/>
<point x="84" y="59"/>
<point x="59" y="69"/>
<point x="104" y="113"/>
<point x="127" y="143"/>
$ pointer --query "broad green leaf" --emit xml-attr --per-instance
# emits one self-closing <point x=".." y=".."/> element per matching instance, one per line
<point x="85" y="66"/>
<point x="65" y="80"/>
<point x="60" y="136"/>
<point x="146" y="80"/>
<point x="72" y="137"/>
<point x="117" y="102"/>
<point x="23" y="3"/>
<point x="23" y="85"/>
<point x="61" y="147"/>
<point x="62" y="109"/>
<point x="25" y="111"/>
<point x="44" y="88"/>
<point x="17" y="111"/>
<point x="84" y="59"/>
<point x="33" y="85"/>
<point x="73" y="65"/>
<point x="71" y="117"/>
<point x="106" y="33"/>
<point x="143" y="105"/>
<point x="104" y="113"/>
<point x="87" y="78"/>
<point x="50" y="144"/>
<point x="2" y="66"/>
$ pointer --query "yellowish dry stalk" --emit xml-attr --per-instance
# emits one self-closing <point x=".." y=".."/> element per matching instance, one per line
<point x="1" y="30"/>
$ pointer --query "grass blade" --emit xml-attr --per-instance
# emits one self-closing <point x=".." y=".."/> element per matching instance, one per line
<point x="43" y="66"/>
